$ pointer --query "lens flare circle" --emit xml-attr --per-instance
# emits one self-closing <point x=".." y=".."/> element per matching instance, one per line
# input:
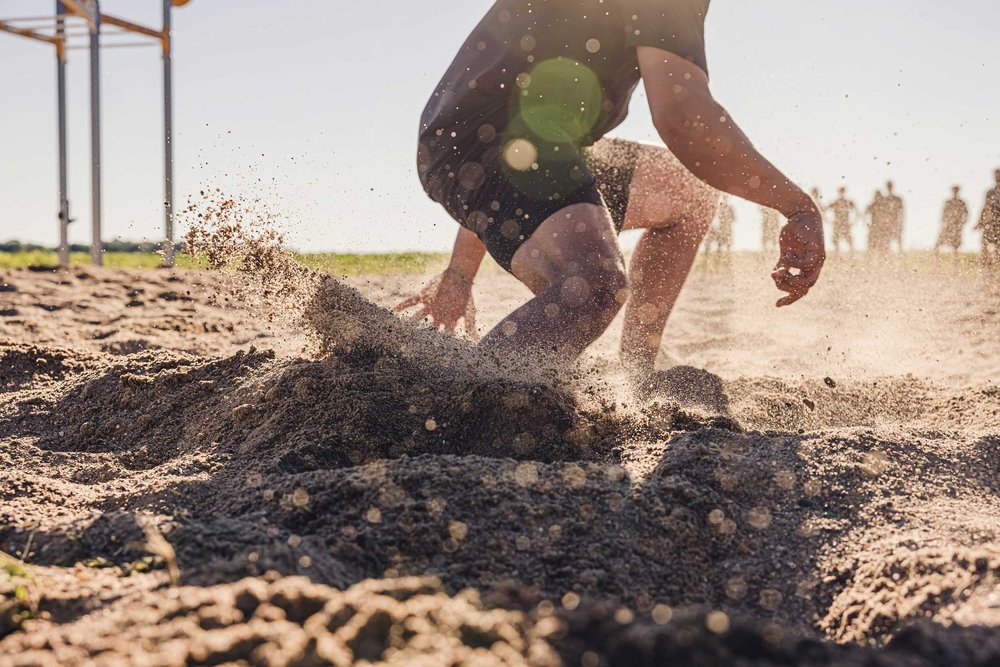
<point x="520" y="154"/>
<point x="561" y="100"/>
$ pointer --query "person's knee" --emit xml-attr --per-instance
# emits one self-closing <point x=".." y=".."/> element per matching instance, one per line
<point x="597" y="293"/>
<point x="614" y="290"/>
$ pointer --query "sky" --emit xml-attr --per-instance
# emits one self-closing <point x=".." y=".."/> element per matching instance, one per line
<point x="313" y="107"/>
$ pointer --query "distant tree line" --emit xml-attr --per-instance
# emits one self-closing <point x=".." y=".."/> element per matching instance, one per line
<point x="109" y="246"/>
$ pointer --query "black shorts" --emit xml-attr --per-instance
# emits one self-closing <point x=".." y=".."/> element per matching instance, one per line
<point x="503" y="191"/>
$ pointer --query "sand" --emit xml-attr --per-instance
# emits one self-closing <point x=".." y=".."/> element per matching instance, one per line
<point x="334" y="484"/>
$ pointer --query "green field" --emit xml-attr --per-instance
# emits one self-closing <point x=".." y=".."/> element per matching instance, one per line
<point x="420" y="263"/>
<point x="414" y="263"/>
<point x="131" y="260"/>
<point x="333" y="263"/>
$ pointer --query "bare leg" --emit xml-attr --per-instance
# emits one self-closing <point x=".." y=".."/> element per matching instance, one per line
<point x="659" y="267"/>
<point x="676" y="210"/>
<point x="574" y="266"/>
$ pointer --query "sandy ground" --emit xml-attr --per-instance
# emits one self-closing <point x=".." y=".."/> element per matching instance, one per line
<point x="335" y="485"/>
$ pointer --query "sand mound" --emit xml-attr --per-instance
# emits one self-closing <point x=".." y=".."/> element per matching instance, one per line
<point x="413" y="621"/>
<point x="27" y="365"/>
<point x="293" y="622"/>
<point x="153" y="406"/>
<point x="397" y="492"/>
<point x="503" y="481"/>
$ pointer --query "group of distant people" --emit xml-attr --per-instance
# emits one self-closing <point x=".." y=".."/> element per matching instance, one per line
<point x="955" y="216"/>
<point x="885" y="217"/>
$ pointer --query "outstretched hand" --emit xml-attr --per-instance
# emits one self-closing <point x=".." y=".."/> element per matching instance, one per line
<point x="445" y="300"/>
<point x="802" y="256"/>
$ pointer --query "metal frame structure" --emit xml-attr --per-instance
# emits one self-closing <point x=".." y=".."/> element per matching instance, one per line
<point x="54" y="30"/>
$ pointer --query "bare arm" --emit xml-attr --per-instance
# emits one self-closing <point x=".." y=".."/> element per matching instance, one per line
<point x="467" y="255"/>
<point x="703" y="136"/>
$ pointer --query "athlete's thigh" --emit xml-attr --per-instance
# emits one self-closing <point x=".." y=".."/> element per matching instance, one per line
<point x="663" y="192"/>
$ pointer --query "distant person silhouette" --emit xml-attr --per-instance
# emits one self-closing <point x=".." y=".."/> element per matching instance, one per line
<point x="878" y="233"/>
<point x="727" y="217"/>
<point x="894" y="214"/>
<point x="953" y="219"/>
<point x="720" y="236"/>
<point x="989" y="224"/>
<point x="770" y="228"/>
<point x="842" y="208"/>
<point x="817" y="197"/>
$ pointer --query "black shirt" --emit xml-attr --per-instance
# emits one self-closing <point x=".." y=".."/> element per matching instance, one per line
<point x="565" y="67"/>
<point x="535" y="82"/>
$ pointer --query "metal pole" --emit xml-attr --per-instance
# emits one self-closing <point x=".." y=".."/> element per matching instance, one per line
<point x="95" y="134"/>
<point x="61" y="101"/>
<point x="168" y="145"/>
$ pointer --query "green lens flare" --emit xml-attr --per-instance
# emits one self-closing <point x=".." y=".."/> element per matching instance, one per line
<point x="560" y="100"/>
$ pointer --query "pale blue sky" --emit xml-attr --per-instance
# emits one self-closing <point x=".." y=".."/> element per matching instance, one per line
<point x="320" y="100"/>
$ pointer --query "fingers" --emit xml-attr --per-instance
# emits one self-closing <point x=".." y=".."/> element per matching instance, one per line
<point x="423" y="296"/>
<point x="802" y="256"/>
<point x="431" y="305"/>
<point x="425" y="313"/>
<point x="407" y="303"/>
<point x="805" y="261"/>
<point x="788" y="300"/>
<point x="797" y="286"/>
<point x="787" y="281"/>
<point x="791" y="298"/>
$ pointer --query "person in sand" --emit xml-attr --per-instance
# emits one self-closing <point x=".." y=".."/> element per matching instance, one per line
<point x="770" y="229"/>
<point x="989" y="224"/>
<point x="718" y="239"/>
<point x="894" y="217"/>
<point x="953" y="219"/>
<point x="725" y="220"/>
<point x="817" y="197"/>
<point x="512" y="144"/>
<point x="843" y="210"/>
<point x="878" y="231"/>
